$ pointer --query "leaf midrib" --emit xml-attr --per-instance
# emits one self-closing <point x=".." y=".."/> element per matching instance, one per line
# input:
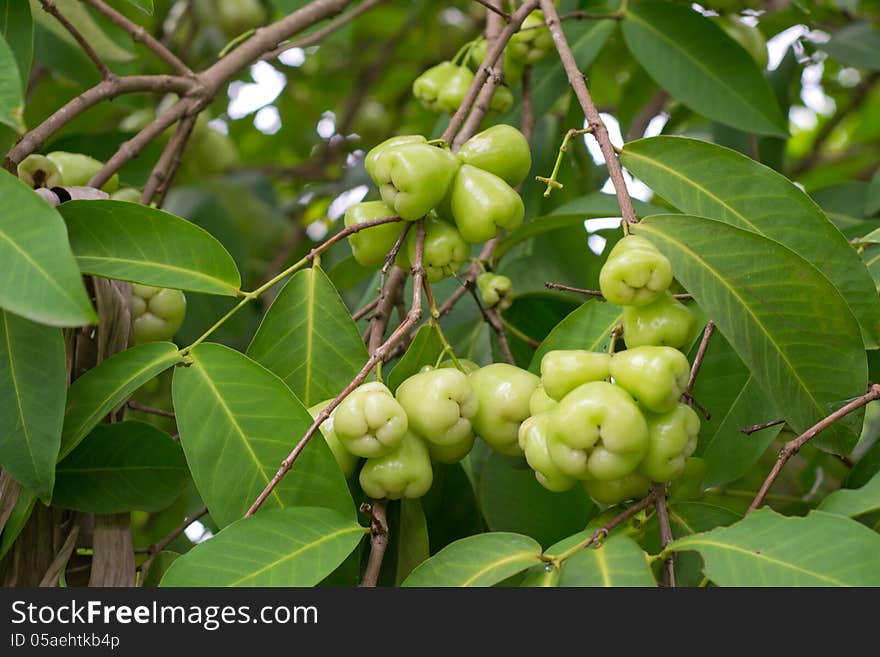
<point x="496" y="564"/>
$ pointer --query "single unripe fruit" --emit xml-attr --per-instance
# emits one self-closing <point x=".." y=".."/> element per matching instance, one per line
<point x="405" y="471"/>
<point x="156" y="313"/>
<point x="534" y="433"/>
<point x="630" y="487"/>
<point x="635" y="274"/>
<point x="414" y="178"/>
<point x="503" y="393"/>
<point x="666" y="322"/>
<point x="39" y="171"/>
<point x="78" y="169"/>
<point x="129" y="194"/>
<point x="533" y="40"/>
<point x="371" y="246"/>
<point x="443" y="87"/>
<point x="238" y="16"/>
<point x="502" y="100"/>
<point x="440" y="404"/>
<point x="513" y="67"/>
<point x="482" y="204"/>
<point x="502" y="150"/>
<point x="655" y="376"/>
<point x="540" y="401"/>
<point x="451" y="453"/>
<point x="672" y="438"/>
<point x="444" y="252"/>
<point x="496" y="291"/>
<point x="600" y="432"/>
<point x="372" y="157"/>
<point x="370" y="422"/>
<point x="563" y="370"/>
<point x="346" y="460"/>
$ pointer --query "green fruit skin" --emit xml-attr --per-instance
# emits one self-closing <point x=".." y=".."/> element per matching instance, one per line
<point x="534" y="434"/>
<point x="635" y="274"/>
<point x="563" y="370"/>
<point x="502" y="150"/>
<point x="540" y="401"/>
<point x="630" y="487"/>
<point x="466" y="366"/>
<point x="496" y="291"/>
<point x="405" y="471"/>
<point x="513" y="67"/>
<point x="129" y="194"/>
<point x="372" y="157"/>
<point x="600" y="433"/>
<point x="39" y="171"/>
<point x="665" y="322"/>
<point x="414" y="178"/>
<point x="156" y="313"/>
<point x="672" y="439"/>
<point x="451" y="453"/>
<point x="503" y="392"/>
<point x="482" y="204"/>
<point x="533" y="41"/>
<point x="238" y="16"/>
<point x="444" y="252"/>
<point x="502" y="100"/>
<point x="77" y="169"/>
<point x="655" y="376"/>
<point x="347" y="461"/>
<point x="440" y="404"/>
<point x="443" y="87"/>
<point x="369" y="422"/>
<point x="371" y="246"/>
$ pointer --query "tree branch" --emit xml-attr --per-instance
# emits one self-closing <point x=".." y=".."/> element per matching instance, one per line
<point x="793" y="446"/>
<point x="698" y="359"/>
<point x="599" y="131"/>
<point x="50" y="8"/>
<point x="140" y="35"/>
<point x="166" y="166"/>
<point x="593" y="293"/>
<point x="659" y="491"/>
<point x="764" y="425"/>
<point x="378" y="541"/>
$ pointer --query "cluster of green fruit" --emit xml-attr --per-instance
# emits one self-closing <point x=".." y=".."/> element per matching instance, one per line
<point x="467" y="197"/>
<point x="616" y="422"/>
<point x="442" y="88"/>
<point x="60" y="168"/>
<point x="156" y="313"/>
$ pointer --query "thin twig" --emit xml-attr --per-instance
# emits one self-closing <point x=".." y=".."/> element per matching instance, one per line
<point x="378" y="541"/>
<point x="141" y="35"/>
<point x="156" y="548"/>
<point x="793" y="446"/>
<point x="591" y="15"/>
<point x="665" y="533"/>
<point x="698" y="359"/>
<point x="380" y="354"/>
<point x="496" y="10"/>
<point x="363" y="312"/>
<point x="160" y="177"/>
<point x="594" y="293"/>
<point x="137" y="406"/>
<point x="764" y="425"/>
<point x="526" y="108"/>
<point x="594" y="120"/>
<point x="494" y="321"/>
<point x="50" y="8"/>
<point x="388" y="296"/>
<point x="646" y="114"/>
<point x="475" y="270"/>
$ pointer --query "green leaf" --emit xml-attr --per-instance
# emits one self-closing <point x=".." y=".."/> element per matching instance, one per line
<point x="572" y="213"/>
<point x="309" y="339"/>
<point x="76" y="12"/>
<point x="412" y="539"/>
<point x="481" y="560"/>
<point x="768" y="549"/>
<point x="132" y="242"/>
<point x="857" y="44"/>
<point x="11" y="98"/>
<point x="17" y="27"/>
<point x="784" y="319"/>
<point x="425" y="349"/>
<point x="127" y="466"/>
<point x="161" y="563"/>
<point x="97" y="392"/>
<point x="541" y="576"/>
<point x="854" y="502"/>
<point x="40" y="278"/>
<point x="145" y="6"/>
<point x="276" y="547"/>
<point x="711" y="181"/>
<point x="619" y="561"/>
<point x="589" y="327"/>
<point x="698" y="63"/>
<point x="872" y="201"/>
<point x="237" y="422"/>
<point x="730" y="392"/>
<point x="16" y="521"/>
<point x="512" y="500"/>
<point x="33" y="385"/>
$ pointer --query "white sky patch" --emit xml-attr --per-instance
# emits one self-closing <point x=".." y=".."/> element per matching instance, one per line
<point x="802" y="117"/>
<point x="219" y="125"/>
<point x="248" y="97"/>
<point x="294" y="57"/>
<point x="317" y="230"/>
<point x="268" y="120"/>
<point x="637" y="189"/>
<point x="655" y="126"/>
<point x="596" y="243"/>
<point x="779" y="44"/>
<point x="613" y="133"/>
<point x="453" y="16"/>
<point x="345" y="200"/>
<point x="326" y="127"/>
<point x="198" y="533"/>
<point x="812" y="93"/>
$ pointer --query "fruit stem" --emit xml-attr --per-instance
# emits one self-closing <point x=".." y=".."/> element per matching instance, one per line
<point x="552" y="182"/>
